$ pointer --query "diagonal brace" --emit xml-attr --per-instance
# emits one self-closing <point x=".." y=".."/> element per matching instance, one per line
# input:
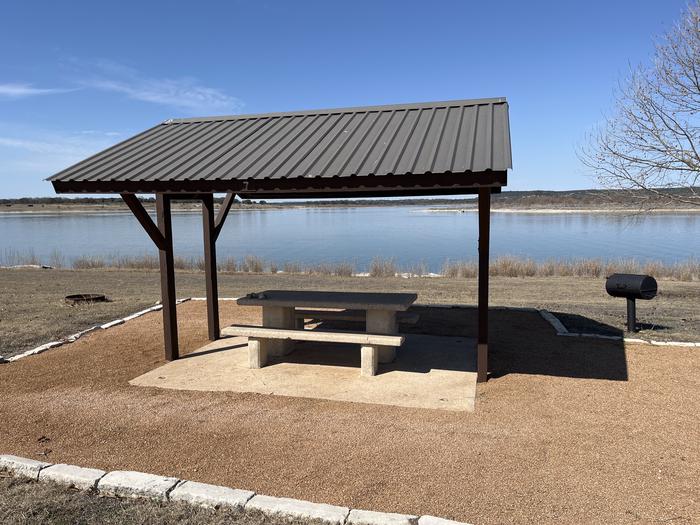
<point x="145" y="219"/>
<point x="223" y="213"/>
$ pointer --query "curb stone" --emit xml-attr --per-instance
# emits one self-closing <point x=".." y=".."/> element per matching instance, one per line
<point x="24" y="467"/>
<point x="369" y="517"/>
<point x="562" y="331"/>
<point x="295" y="508"/>
<point x="206" y="495"/>
<point x="78" y="477"/>
<point x="130" y="484"/>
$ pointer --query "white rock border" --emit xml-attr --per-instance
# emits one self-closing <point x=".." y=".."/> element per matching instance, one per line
<point x="562" y="331"/>
<point x="74" y="337"/>
<point x="131" y="484"/>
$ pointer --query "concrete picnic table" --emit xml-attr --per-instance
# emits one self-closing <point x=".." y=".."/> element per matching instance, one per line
<point x="279" y="311"/>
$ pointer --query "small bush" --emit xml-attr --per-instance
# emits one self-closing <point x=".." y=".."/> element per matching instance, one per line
<point x="252" y="264"/>
<point x="380" y="267"/>
<point x="290" y="267"/>
<point x="88" y="263"/>
<point x="228" y="265"/>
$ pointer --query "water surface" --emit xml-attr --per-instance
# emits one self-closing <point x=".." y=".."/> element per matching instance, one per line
<point x="410" y="234"/>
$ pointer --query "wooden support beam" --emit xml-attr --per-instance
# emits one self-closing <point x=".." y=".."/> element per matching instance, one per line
<point x="210" y="266"/>
<point x="167" y="277"/>
<point x="223" y="213"/>
<point x="144" y="218"/>
<point x="482" y="347"/>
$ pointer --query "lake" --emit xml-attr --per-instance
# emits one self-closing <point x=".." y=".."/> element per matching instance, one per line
<point x="409" y="234"/>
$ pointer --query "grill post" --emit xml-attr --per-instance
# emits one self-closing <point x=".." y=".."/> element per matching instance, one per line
<point x="631" y="314"/>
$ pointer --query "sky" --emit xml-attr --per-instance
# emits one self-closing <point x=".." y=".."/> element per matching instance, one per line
<point x="79" y="76"/>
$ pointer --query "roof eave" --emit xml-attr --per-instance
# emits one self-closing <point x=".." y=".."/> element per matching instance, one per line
<point x="320" y="187"/>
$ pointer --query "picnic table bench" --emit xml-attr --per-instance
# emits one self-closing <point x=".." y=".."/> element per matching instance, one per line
<point x="280" y="329"/>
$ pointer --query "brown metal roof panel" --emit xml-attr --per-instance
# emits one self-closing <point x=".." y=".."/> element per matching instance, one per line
<point x="342" y="148"/>
<point x="456" y="136"/>
<point x="118" y="166"/>
<point x="188" y="166"/>
<point x="373" y="159"/>
<point x="398" y="143"/>
<point x="307" y="166"/>
<point x="94" y="161"/>
<point x="501" y="138"/>
<point x="307" y="146"/>
<point x="359" y="143"/>
<point x="465" y="146"/>
<point x="264" y="145"/>
<point x="444" y="154"/>
<point x="482" y="153"/>
<point x="278" y="164"/>
<point x="161" y="166"/>
<point x="213" y="170"/>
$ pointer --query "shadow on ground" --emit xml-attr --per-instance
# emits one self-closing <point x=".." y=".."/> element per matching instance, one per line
<point x="521" y="343"/>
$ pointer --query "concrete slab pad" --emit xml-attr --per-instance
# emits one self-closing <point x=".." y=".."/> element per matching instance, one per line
<point x="28" y="468"/>
<point x="295" y="508"/>
<point x="207" y="495"/>
<point x="429" y="372"/>
<point x="128" y="484"/>
<point x="369" y="517"/>
<point x="72" y="476"/>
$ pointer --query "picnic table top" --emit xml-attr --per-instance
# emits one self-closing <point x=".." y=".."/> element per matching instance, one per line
<point x="318" y="299"/>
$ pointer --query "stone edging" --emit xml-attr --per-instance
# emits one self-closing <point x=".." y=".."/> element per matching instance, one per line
<point x="561" y="330"/>
<point x="128" y="484"/>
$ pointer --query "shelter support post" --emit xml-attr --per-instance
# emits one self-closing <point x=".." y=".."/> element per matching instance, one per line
<point x="482" y="347"/>
<point x="210" y="277"/>
<point x="167" y="277"/>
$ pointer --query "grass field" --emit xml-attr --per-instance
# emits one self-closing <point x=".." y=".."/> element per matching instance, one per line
<point x="24" y="502"/>
<point x="32" y="310"/>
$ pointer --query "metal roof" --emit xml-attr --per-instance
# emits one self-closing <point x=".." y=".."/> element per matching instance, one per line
<point x="453" y="137"/>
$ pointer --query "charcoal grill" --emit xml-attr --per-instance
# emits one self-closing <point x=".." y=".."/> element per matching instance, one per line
<point x="631" y="287"/>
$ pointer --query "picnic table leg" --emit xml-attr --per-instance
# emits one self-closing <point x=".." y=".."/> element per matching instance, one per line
<point x="278" y="317"/>
<point x="383" y="322"/>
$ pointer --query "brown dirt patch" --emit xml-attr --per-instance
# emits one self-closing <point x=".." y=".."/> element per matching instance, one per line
<point x="550" y="441"/>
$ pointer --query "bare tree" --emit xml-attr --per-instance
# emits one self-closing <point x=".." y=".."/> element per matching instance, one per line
<point x="650" y="145"/>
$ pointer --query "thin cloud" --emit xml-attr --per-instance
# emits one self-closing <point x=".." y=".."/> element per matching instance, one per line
<point x="37" y="153"/>
<point x="19" y="90"/>
<point x="186" y="93"/>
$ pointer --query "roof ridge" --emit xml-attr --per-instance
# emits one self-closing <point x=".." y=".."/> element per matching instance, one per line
<point x="356" y="109"/>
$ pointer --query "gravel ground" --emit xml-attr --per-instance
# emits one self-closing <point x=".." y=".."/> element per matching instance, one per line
<point x="32" y="311"/>
<point x="567" y="431"/>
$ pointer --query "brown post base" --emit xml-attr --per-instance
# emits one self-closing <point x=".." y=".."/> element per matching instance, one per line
<point x="482" y="352"/>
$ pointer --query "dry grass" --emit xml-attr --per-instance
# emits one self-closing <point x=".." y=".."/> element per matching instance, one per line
<point x="381" y="267"/>
<point x="523" y="267"/>
<point x="24" y="502"/>
<point x="32" y="310"/>
<point x="506" y="266"/>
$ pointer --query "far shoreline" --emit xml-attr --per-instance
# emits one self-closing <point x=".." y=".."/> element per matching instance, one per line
<point x="81" y="209"/>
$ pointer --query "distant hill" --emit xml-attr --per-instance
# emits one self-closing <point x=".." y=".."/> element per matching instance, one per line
<point x="573" y="199"/>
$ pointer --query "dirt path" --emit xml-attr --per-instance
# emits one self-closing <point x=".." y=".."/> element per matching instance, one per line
<point x="569" y="431"/>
